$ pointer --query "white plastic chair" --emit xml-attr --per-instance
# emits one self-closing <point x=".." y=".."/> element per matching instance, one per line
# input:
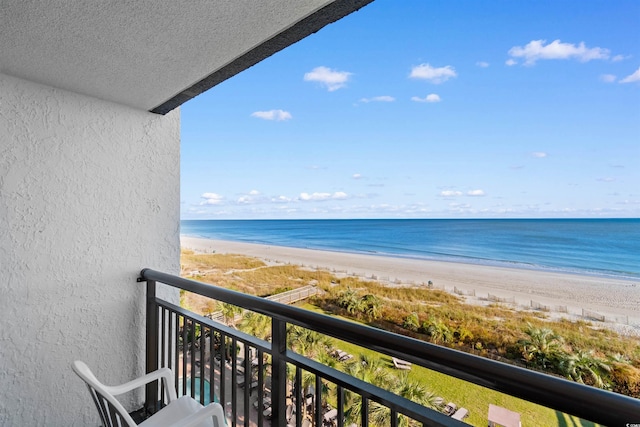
<point x="182" y="412"/>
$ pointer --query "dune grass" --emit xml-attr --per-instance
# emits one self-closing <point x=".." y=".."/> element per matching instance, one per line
<point x="468" y="395"/>
<point x="486" y="330"/>
<point x="189" y="261"/>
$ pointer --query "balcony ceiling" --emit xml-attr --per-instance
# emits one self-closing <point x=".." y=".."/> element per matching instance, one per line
<point x="151" y="55"/>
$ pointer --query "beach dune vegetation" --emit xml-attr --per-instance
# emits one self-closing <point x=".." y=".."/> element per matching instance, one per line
<point x="625" y="378"/>
<point x="437" y="331"/>
<point x="542" y="348"/>
<point x="586" y="368"/>
<point x="371" y="305"/>
<point x="556" y="347"/>
<point x="411" y="322"/>
<point x="575" y="350"/>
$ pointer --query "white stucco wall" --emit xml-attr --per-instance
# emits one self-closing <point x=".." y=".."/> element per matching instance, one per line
<point x="89" y="195"/>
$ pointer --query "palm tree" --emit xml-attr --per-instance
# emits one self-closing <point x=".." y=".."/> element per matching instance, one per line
<point x="403" y="386"/>
<point x="350" y="301"/>
<point x="379" y="415"/>
<point x="584" y="367"/>
<point x="306" y="342"/>
<point x="308" y="384"/>
<point x="543" y="348"/>
<point x="415" y="391"/>
<point x="437" y="330"/>
<point x="372" y="371"/>
<point x="371" y="305"/>
<point x="411" y="322"/>
<point x="229" y="311"/>
<point x="256" y="324"/>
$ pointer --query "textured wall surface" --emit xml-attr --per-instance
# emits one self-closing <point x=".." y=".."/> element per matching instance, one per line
<point x="89" y="195"/>
<point x="109" y="49"/>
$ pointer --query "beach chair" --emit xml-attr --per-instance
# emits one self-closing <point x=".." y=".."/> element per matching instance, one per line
<point x="267" y="412"/>
<point x="450" y="408"/>
<point x="291" y="411"/>
<point x="460" y="414"/>
<point x="184" y="411"/>
<point x="266" y="403"/>
<point x="240" y="376"/>
<point x="346" y="357"/>
<point x="401" y="364"/>
<point x="330" y="416"/>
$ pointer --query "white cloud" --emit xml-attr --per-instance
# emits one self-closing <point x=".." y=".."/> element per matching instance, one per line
<point x="511" y="62"/>
<point x="331" y="79"/>
<point x="635" y="77"/>
<point x="608" y="78"/>
<point x="432" y="74"/>
<point x="253" y="196"/>
<point x="384" y="98"/>
<point x="459" y="206"/>
<point x="281" y="199"/>
<point x="211" y="199"/>
<point x="607" y="179"/>
<point x="432" y="97"/>
<point x="619" y="58"/>
<point x="482" y="64"/>
<point x="356" y="176"/>
<point x="536" y="50"/>
<point x="339" y="195"/>
<point x="539" y="154"/>
<point x="475" y="193"/>
<point x="277" y="115"/>
<point x="450" y="193"/>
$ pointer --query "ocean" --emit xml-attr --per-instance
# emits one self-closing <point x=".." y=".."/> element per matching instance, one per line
<point x="603" y="247"/>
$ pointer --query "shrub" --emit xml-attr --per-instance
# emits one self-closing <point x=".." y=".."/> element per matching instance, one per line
<point x="625" y="379"/>
<point x="411" y="322"/>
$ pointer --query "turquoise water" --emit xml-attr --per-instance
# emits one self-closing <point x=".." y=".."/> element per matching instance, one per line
<point x="607" y="247"/>
<point x="207" y="390"/>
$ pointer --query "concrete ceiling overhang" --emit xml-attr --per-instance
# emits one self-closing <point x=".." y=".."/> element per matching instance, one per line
<point x="149" y="54"/>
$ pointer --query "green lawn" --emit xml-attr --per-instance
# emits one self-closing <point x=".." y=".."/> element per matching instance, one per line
<point x="473" y="397"/>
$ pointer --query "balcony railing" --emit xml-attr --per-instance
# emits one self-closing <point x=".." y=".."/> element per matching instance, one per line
<point x="213" y="361"/>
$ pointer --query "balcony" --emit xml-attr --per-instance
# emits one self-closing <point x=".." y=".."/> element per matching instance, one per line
<point x="211" y="360"/>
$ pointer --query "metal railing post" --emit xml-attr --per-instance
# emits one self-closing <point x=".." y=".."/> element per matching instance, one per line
<point x="279" y="371"/>
<point x="151" y="389"/>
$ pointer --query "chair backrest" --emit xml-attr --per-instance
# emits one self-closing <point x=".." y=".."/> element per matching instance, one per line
<point x="111" y="411"/>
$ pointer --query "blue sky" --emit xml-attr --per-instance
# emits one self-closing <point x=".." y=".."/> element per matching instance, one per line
<point x="428" y="109"/>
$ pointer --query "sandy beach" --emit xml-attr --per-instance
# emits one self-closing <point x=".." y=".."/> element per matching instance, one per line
<point x="617" y="300"/>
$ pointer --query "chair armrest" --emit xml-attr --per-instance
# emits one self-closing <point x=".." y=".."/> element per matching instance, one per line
<point x="211" y="410"/>
<point x="163" y="373"/>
